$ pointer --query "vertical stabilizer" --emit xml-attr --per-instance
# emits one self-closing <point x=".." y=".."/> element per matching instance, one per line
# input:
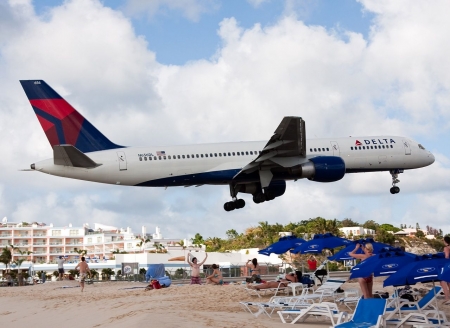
<point x="61" y="122"/>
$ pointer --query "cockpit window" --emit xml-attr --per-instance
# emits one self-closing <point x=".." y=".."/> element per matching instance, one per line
<point x="421" y="147"/>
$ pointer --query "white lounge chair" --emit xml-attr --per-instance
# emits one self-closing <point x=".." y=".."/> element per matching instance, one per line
<point x="275" y="303"/>
<point x="351" y="297"/>
<point x="328" y="289"/>
<point x="261" y="292"/>
<point x="426" y="303"/>
<point x="319" y="310"/>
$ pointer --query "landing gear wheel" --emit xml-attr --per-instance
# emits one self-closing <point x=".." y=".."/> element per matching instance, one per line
<point x="395" y="180"/>
<point x="229" y="206"/>
<point x="259" y="198"/>
<point x="395" y="190"/>
<point x="269" y="196"/>
<point x="240" y="203"/>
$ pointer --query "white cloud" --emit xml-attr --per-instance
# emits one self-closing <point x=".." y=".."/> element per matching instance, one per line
<point x="394" y="83"/>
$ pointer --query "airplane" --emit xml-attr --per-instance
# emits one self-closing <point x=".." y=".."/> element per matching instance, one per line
<point x="259" y="168"/>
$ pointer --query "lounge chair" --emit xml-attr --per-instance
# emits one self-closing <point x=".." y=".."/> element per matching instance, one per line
<point x="430" y="318"/>
<point x="275" y="303"/>
<point x="322" y="310"/>
<point x="351" y="297"/>
<point x="327" y="289"/>
<point x="368" y="313"/>
<point x="425" y="303"/>
<point x="261" y="292"/>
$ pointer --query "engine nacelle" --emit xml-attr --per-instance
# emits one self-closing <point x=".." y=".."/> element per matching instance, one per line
<point x="320" y="169"/>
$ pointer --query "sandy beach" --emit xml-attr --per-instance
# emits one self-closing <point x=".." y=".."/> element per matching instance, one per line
<point x="119" y="304"/>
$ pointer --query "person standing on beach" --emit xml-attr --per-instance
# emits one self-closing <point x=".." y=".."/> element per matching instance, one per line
<point x="60" y="262"/>
<point x="366" y="284"/>
<point x="84" y="269"/>
<point x="312" y="263"/>
<point x="446" y="284"/>
<point x="195" y="274"/>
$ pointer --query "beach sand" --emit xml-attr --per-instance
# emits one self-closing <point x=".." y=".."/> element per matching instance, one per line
<point x="121" y="304"/>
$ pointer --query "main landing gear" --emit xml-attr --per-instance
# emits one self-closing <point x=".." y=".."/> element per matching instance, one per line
<point x="395" y="180"/>
<point x="235" y="203"/>
<point x="262" y="197"/>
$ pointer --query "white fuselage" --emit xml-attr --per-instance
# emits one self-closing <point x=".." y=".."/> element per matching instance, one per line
<point x="218" y="163"/>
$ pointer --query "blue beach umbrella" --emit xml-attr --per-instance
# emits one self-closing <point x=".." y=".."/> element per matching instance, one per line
<point x="343" y="254"/>
<point x="424" y="268"/>
<point x="282" y="245"/>
<point x="385" y="263"/>
<point x="320" y="242"/>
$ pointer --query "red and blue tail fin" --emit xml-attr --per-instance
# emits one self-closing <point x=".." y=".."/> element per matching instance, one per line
<point x="61" y="122"/>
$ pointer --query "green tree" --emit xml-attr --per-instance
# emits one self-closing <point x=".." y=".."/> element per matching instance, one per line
<point x="420" y="234"/>
<point x="6" y="256"/>
<point x="371" y="224"/>
<point x="232" y="234"/>
<point x="107" y="273"/>
<point x="385" y="237"/>
<point x="349" y="223"/>
<point x="142" y="241"/>
<point x="197" y="240"/>
<point x="389" y="227"/>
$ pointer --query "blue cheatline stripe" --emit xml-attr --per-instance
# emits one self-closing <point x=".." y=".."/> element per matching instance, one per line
<point x="55" y="121"/>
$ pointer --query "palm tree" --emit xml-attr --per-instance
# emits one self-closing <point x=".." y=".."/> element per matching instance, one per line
<point x="94" y="273"/>
<point x="6" y="256"/>
<point x="107" y="273"/>
<point x="143" y="241"/>
<point x="158" y="246"/>
<point x="81" y="252"/>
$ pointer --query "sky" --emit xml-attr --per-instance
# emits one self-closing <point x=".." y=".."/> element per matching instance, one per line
<point x="195" y="71"/>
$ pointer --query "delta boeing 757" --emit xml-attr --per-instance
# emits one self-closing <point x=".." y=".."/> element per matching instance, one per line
<point x="260" y="168"/>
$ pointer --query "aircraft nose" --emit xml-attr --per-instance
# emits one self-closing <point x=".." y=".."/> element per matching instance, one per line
<point x="431" y="158"/>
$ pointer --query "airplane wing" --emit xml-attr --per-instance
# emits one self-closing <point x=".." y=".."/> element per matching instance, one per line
<point x="286" y="148"/>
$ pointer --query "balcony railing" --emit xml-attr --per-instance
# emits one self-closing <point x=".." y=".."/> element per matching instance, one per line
<point x="5" y="235"/>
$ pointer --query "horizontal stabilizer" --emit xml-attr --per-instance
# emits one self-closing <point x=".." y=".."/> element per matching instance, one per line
<point x="68" y="155"/>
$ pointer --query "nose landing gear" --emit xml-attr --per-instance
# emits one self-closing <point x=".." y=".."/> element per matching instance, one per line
<point x="394" y="173"/>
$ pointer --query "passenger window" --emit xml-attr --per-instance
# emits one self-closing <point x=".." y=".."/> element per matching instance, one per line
<point x="196" y="155"/>
<point x="210" y="155"/>
<point x="315" y="149"/>
<point x="169" y="157"/>
<point x="215" y="154"/>
<point x="393" y="146"/>
<point x="364" y="147"/>
<point x="220" y="154"/>
<point x="159" y="157"/>
<point x="140" y="158"/>
<point x="351" y="148"/>
<point x="224" y="154"/>
<point x="201" y="155"/>
<point x="187" y="156"/>
<point x="328" y="149"/>
<point x="229" y="154"/>
<point x="164" y="157"/>
<point x="206" y="155"/>
<point x="246" y="153"/>
<point x="238" y="153"/>
<point x="383" y="146"/>
<point x="251" y="153"/>
<point x="192" y="156"/>
<point x="182" y="156"/>
<point x="150" y="158"/>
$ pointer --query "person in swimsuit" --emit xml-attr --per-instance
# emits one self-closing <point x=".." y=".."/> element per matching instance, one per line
<point x="366" y="283"/>
<point x="216" y="277"/>
<point x="269" y="284"/>
<point x="195" y="274"/>
<point x="254" y="268"/>
<point x="445" y="284"/>
<point x="84" y="269"/>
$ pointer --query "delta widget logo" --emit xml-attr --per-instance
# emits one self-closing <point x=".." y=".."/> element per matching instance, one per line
<point x="426" y="270"/>
<point x="313" y="246"/>
<point x="390" y="266"/>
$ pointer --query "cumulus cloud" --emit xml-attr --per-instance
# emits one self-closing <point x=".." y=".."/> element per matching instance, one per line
<point x="395" y="82"/>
